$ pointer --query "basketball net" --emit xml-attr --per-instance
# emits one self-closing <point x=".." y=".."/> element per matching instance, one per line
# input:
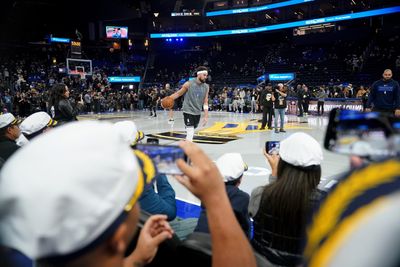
<point x="82" y="74"/>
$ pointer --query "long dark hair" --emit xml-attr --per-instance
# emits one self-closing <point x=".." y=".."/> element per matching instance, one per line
<point x="56" y="94"/>
<point x="288" y="198"/>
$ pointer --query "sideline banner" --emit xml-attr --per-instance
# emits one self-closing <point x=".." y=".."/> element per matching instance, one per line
<point x="353" y="104"/>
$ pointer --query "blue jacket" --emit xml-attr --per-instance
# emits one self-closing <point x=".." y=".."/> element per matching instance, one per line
<point x="385" y="95"/>
<point x="162" y="202"/>
<point x="239" y="201"/>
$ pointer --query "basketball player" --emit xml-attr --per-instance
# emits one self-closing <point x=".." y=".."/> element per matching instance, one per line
<point x="196" y="97"/>
<point x="171" y="116"/>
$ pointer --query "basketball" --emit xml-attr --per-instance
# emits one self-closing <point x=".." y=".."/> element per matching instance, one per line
<point x="167" y="102"/>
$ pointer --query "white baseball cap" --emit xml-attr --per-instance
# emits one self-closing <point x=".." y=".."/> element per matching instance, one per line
<point x="300" y="149"/>
<point x="8" y="119"/>
<point x="129" y="132"/>
<point x="231" y="166"/>
<point x="36" y="122"/>
<point x="65" y="190"/>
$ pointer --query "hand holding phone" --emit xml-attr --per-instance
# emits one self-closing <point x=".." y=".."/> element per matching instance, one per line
<point x="164" y="157"/>
<point x="273" y="161"/>
<point x="203" y="178"/>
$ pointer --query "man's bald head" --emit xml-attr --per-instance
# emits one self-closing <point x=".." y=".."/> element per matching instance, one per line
<point x="387" y="74"/>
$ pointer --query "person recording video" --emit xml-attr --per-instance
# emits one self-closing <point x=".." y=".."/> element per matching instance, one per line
<point x="266" y="100"/>
<point x="280" y="209"/>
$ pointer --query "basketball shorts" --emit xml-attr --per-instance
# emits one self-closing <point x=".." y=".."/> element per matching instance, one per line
<point x="191" y="120"/>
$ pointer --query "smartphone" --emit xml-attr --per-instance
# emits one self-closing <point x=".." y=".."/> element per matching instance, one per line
<point x="272" y="147"/>
<point x="370" y="134"/>
<point x="164" y="157"/>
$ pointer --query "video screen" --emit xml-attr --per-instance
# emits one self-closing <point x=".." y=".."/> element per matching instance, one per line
<point x="116" y="32"/>
<point x="164" y="157"/>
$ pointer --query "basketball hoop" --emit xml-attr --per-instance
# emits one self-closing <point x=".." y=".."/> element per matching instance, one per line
<point x="81" y="67"/>
<point x="81" y="74"/>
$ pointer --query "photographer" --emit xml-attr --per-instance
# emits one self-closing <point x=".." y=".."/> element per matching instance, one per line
<point x="266" y="100"/>
<point x="280" y="209"/>
<point x="306" y="99"/>
<point x="299" y="94"/>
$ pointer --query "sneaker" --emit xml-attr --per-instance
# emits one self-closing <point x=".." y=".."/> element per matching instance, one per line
<point x="270" y="128"/>
<point x="282" y="131"/>
<point x="262" y="128"/>
<point x="276" y="131"/>
<point x="171" y="120"/>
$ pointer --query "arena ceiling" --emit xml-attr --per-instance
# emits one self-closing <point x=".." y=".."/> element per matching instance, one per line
<point x="31" y="20"/>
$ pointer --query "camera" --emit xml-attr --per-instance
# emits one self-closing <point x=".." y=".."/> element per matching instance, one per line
<point x="371" y="134"/>
<point x="164" y="157"/>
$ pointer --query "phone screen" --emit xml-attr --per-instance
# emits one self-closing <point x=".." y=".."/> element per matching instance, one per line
<point x="272" y="147"/>
<point x="362" y="134"/>
<point x="164" y="157"/>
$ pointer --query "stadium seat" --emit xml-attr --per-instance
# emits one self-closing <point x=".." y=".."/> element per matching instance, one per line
<point x="196" y="251"/>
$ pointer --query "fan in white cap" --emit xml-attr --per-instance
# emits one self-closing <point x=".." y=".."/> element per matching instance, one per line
<point x="66" y="188"/>
<point x="36" y="123"/>
<point x="231" y="166"/>
<point x="10" y="136"/>
<point x="129" y="132"/>
<point x="7" y="120"/>
<point x="300" y="149"/>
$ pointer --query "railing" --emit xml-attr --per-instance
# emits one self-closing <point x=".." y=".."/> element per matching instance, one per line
<point x="329" y="104"/>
